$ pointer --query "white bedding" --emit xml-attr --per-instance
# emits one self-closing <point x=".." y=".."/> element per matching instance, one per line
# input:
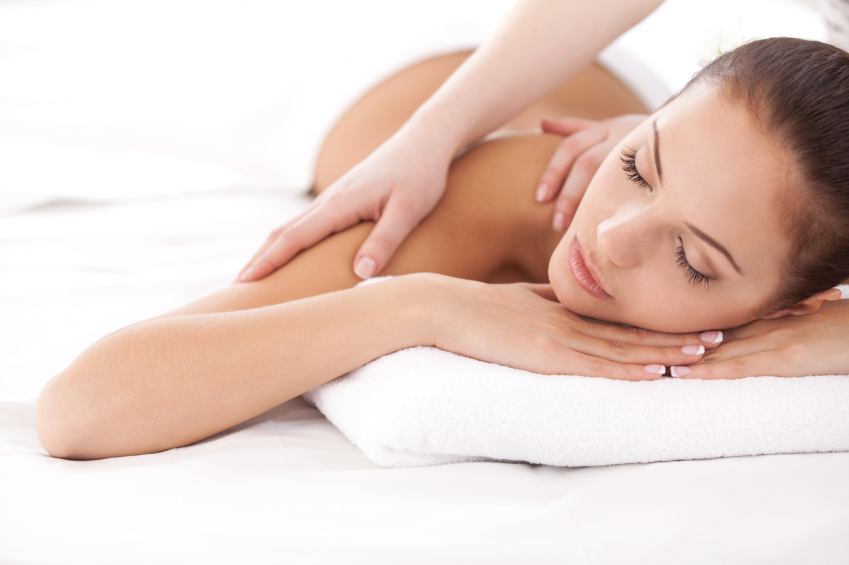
<point x="287" y="486"/>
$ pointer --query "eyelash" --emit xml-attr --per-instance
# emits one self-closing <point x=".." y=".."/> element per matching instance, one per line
<point x="693" y="276"/>
<point x="629" y="165"/>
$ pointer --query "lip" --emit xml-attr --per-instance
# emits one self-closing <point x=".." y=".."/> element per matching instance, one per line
<point x="584" y="273"/>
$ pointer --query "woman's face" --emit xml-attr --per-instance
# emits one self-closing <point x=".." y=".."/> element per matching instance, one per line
<point x="683" y="233"/>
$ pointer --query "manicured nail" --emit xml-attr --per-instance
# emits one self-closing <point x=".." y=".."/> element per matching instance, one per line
<point x="693" y="349"/>
<point x="365" y="267"/>
<point x="246" y="275"/>
<point x="679" y="371"/>
<point x="542" y="192"/>
<point x="559" y="221"/>
<point x="655" y="369"/>
<point x="711" y="337"/>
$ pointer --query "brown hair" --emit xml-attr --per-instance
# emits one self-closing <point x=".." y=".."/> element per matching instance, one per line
<point x="798" y="91"/>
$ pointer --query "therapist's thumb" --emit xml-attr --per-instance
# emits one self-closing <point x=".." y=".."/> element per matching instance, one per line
<point x="382" y="243"/>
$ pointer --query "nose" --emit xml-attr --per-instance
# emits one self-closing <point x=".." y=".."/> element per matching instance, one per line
<point x="625" y="238"/>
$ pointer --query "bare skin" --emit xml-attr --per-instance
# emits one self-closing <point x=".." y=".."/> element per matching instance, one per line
<point x="487" y="227"/>
<point x="592" y="93"/>
<point x="540" y="44"/>
<point x="227" y="357"/>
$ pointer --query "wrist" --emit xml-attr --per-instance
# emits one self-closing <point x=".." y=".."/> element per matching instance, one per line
<point x="421" y="302"/>
<point x="432" y="134"/>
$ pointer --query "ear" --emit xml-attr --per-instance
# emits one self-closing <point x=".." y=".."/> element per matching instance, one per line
<point x="807" y="306"/>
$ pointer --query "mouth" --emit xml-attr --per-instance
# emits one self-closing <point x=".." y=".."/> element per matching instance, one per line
<point x="583" y="273"/>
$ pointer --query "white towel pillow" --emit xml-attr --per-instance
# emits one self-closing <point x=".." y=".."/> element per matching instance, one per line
<point x="424" y="406"/>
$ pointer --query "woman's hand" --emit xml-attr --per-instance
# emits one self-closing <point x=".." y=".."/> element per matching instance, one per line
<point x="523" y="326"/>
<point x="397" y="186"/>
<point x="793" y="346"/>
<point x="577" y="159"/>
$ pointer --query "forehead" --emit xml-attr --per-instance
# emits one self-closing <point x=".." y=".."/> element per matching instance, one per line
<point x="728" y="178"/>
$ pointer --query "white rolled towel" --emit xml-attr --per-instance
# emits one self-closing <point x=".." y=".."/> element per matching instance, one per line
<point x="424" y="406"/>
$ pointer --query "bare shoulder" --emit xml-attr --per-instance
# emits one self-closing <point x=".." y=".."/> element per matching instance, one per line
<point x="496" y="182"/>
<point x="487" y="224"/>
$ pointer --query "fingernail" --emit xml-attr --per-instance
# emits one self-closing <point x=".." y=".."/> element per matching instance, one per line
<point x="655" y="369"/>
<point x="559" y="221"/>
<point x="693" y="349"/>
<point x="711" y="337"/>
<point x="679" y="371"/>
<point x="246" y="275"/>
<point x="365" y="267"/>
<point x="542" y="192"/>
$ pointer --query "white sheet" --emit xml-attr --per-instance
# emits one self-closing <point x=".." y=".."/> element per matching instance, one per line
<point x="241" y="92"/>
<point x="287" y="486"/>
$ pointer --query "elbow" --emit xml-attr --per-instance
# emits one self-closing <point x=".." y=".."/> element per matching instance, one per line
<point x="62" y="427"/>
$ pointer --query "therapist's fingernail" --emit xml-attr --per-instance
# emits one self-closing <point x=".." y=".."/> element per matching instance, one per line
<point x="655" y="369"/>
<point x="542" y="192"/>
<point x="365" y="267"/>
<point x="679" y="371"/>
<point x="246" y="275"/>
<point x="711" y="337"/>
<point x="559" y="221"/>
<point x="693" y="349"/>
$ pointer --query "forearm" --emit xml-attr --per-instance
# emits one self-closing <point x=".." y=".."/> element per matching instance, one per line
<point x="173" y="381"/>
<point x="540" y="44"/>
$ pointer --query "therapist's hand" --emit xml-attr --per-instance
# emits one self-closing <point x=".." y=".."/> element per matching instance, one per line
<point x="793" y="346"/>
<point x="577" y="159"/>
<point x="396" y="186"/>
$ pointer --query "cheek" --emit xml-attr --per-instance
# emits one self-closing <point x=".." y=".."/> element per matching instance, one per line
<point x="660" y="300"/>
<point x="608" y="191"/>
<point x="558" y="267"/>
<point x="656" y="299"/>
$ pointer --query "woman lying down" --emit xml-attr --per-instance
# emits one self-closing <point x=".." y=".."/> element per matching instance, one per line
<point x="728" y="205"/>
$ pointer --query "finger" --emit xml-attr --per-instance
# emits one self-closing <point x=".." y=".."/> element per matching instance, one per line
<point x="623" y="352"/>
<point x="576" y="363"/>
<point x="561" y="162"/>
<point x="396" y="223"/>
<point x="274" y="235"/>
<point x="309" y="229"/>
<point x="582" y="172"/>
<point x="640" y="336"/>
<point x="747" y="346"/>
<point x="753" y="365"/>
<point x="752" y="329"/>
<point x="241" y="277"/>
<point x="565" y="126"/>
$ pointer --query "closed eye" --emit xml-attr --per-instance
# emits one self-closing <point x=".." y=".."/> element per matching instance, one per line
<point x="629" y="165"/>
<point x="693" y="276"/>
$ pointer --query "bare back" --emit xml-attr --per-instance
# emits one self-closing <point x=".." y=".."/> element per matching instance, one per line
<point x="487" y="227"/>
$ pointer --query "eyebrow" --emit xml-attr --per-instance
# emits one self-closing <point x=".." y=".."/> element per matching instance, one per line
<point x="713" y="243"/>
<point x="657" y="149"/>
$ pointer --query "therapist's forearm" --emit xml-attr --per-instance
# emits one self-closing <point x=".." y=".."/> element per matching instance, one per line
<point x="540" y="45"/>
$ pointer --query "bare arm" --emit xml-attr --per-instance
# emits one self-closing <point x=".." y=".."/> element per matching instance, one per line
<point x="234" y="354"/>
<point x="171" y="381"/>
<point x="540" y="44"/>
<point x="175" y="380"/>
